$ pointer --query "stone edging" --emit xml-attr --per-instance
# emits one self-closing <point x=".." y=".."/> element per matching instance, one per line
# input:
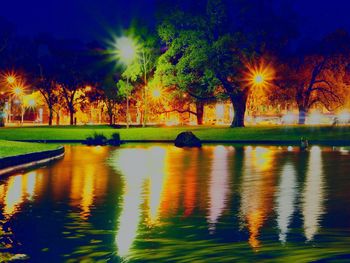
<point x="24" y="161"/>
<point x="255" y="142"/>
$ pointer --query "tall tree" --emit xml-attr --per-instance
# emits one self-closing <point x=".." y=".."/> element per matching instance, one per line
<point x="209" y="48"/>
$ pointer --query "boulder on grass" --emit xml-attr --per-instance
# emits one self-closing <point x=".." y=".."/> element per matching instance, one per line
<point x="187" y="139"/>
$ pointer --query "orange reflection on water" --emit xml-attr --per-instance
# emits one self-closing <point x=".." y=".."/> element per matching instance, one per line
<point x="170" y="200"/>
<point x="190" y="175"/>
<point x="257" y="190"/>
<point x="18" y="188"/>
<point x="81" y="176"/>
<point x="13" y="195"/>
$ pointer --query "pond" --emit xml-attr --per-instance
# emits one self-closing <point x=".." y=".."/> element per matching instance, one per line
<point x="159" y="203"/>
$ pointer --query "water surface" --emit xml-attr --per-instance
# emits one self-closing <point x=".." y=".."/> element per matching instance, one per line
<point x="158" y="203"/>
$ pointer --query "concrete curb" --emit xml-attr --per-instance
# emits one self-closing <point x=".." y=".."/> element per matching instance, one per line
<point x="256" y="142"/>
<point x="19" y="162"/>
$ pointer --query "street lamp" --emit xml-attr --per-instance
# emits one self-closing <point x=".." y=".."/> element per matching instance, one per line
<point x="259" y="74"/>
<point x="259" y="79"/>
<point x="10" y="79"/>
<point x="126" y="52"/>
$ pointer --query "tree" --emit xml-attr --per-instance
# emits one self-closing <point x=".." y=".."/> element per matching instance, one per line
<point x="73" y="71"/>
<point x="317" y="75"/>
<point x="217" y="51"/>
<point x="312" y="80"/>
<point x="110" y="97"/>
<point x="141" y="68"/>
<point x="186" y="68"/>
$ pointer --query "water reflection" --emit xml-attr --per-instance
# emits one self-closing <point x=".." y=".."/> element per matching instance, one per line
<point x="14" y="195"/>
<point x="156" y="204"/>
<point x="286" y="198"/>
<point x="313" y="194"/>
<point x="140" y="168"/>
<point x="219" y="186"/>
<point x="257" y="190"/>
<point x="19" y="188"/>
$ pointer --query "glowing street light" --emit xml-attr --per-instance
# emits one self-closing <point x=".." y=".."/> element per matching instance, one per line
<point x="156" y="93"/>
<point x="259" y="79"/>
<point x="11" y="79"/>
<point x="259" y="75"/>
<point x="126" y="50"/>
<point x="17" y="90"/>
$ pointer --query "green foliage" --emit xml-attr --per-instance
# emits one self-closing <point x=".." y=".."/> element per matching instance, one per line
<point x="96" y="139"/>
<point x="115" y="139"/>
<point x="124" y="88"/>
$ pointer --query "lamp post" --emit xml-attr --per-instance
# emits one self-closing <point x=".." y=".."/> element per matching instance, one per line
<point x="126" y="50"/>
<point x="11" y="80"/>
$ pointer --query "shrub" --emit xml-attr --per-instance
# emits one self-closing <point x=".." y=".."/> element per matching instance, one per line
<point x="96" y="139"/>
<point x="115" y="140"/>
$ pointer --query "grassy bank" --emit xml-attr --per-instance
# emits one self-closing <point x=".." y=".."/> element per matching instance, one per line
<point x="257" y="133"/>
<point x="8" y="148"/>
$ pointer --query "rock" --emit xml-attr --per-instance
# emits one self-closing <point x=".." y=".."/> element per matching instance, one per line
<point x="187" y="139"/>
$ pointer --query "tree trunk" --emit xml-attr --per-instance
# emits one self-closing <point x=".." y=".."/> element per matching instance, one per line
<point x="50" y="116"/>
<point x="110" y="115"/>
<point x="71" y="117"/>
<point x="127" y="112"/>
<point x="239" y="101"/>
<point x="58" y="117"/>
<point x="199" y="111"/>
<point x="2" y="119"/>
<point x="302" y="115"/>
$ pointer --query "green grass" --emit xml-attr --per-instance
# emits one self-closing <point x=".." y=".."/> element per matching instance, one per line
<point x="281" y="133"/>
<point x="8" y="148"/>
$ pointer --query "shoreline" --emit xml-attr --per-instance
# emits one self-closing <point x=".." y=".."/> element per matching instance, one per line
<point x="255" y="142"/>
<point x="20" y="162"/>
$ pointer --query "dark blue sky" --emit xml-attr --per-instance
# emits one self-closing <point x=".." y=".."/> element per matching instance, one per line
<point x="92" y="19"/>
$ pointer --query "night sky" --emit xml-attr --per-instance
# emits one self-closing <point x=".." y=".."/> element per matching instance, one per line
<point x="93" y="19"/>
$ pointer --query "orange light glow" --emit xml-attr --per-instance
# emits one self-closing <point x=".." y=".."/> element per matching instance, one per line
<point x="259" y="75"/>
<point x="11" y="79"/>
<point x="156" y="93"/>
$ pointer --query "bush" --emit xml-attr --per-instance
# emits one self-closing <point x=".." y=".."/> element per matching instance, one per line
<point x="96" y="139"/>
<point x="115" y="140"/>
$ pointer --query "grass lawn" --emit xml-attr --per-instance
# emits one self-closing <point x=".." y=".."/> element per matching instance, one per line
<point x="169" y="133"/>
<point x="8" y="148"/>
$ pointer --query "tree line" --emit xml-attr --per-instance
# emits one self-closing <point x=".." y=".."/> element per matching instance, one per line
<point x="198" y="52"/>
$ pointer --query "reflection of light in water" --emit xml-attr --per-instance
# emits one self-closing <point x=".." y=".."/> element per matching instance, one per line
<point x="191" y="185"/>
<point x="30" y="183"/>
<point x="262" y="158"/>
<point x="137" y="165"/>
<point x="218" y="186"/>
<point x="14" y="194"/>
<point x="2" y="192"/>
<point x="257" y="189"/>
<point x="83" y="188"/>
<point x="285" y="200"/>
<point x="87" y="192"/>
<point x="156" y="173"/>
<point x="313" y="194"/>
